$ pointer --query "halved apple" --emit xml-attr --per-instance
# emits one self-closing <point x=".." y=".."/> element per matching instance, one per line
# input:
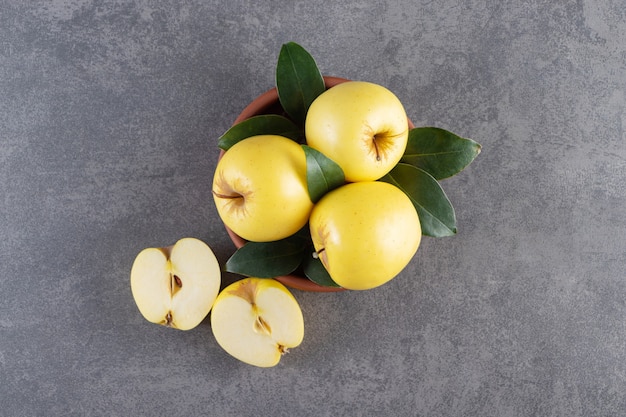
<point x="257" y="320"/>
<point x="176" y="286"/>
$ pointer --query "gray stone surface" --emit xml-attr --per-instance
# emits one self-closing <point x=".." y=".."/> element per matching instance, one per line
<point x="109" y="114"/>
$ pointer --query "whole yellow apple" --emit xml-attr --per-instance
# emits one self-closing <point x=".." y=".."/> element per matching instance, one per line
<point x="365" y="233"/>
<point x="361" y="126"/>
<point x="260" y="188"/>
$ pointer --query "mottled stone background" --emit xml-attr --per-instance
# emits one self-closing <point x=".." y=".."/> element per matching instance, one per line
<point x="109" y="114"/>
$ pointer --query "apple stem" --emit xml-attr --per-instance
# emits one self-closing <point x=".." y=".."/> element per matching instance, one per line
<point x="317" y="254"/>
<point x="168" y="319"/>
<point x="218" y="195"/>
<point x="376" y="148"/>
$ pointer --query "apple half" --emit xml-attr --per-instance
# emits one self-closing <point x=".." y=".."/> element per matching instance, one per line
<point x="176" y="286"/>
<point x="257" y="320"/>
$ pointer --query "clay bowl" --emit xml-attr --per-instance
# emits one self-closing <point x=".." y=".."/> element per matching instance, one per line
<point x="268" y="103"/>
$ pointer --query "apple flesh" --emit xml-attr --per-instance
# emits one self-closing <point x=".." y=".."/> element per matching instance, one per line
<point x="260" y="188"/>
<point x="361" y="126"/>
<point x="257" y="320"/>
<point x="365" y="233"/>
<point x="176" y="286"/>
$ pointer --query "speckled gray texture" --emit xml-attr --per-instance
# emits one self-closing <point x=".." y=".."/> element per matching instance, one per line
<point x="109" y="114"/>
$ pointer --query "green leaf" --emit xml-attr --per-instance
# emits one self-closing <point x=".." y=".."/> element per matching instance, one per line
<point x="267" y="259"/>
<point x="440" y="153"/>
<point x="322" y="173"/>
<point x="298" y="81"/>
<point x="433" y="207"/>
<point x="316" y="272"/>
<point x="270" y="124"/>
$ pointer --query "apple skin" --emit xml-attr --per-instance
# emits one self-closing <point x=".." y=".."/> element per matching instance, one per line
<point x="365" y="233"/>
<point x="176" y="286"/>
<point x="260" y="188"/>
<point x="361" y="126"/>
<point x="257" y="320"/>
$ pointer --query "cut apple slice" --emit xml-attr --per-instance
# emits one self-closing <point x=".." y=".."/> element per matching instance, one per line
<point x="176" y="286"/>
<point x="257" y="320"/>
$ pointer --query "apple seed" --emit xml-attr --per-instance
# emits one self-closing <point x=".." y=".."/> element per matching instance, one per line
<point x="175" y="283"/>
<point x="261" y="326"/>
<point x="178" y="281"/>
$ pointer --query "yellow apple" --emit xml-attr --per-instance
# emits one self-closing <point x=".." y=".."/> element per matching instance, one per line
<point x="365" y="233"/>
<point x="176" y="286"/>
<point x="260" y="188"/>
<point x="257" y="320"/>
<point x="361" y="126"/>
